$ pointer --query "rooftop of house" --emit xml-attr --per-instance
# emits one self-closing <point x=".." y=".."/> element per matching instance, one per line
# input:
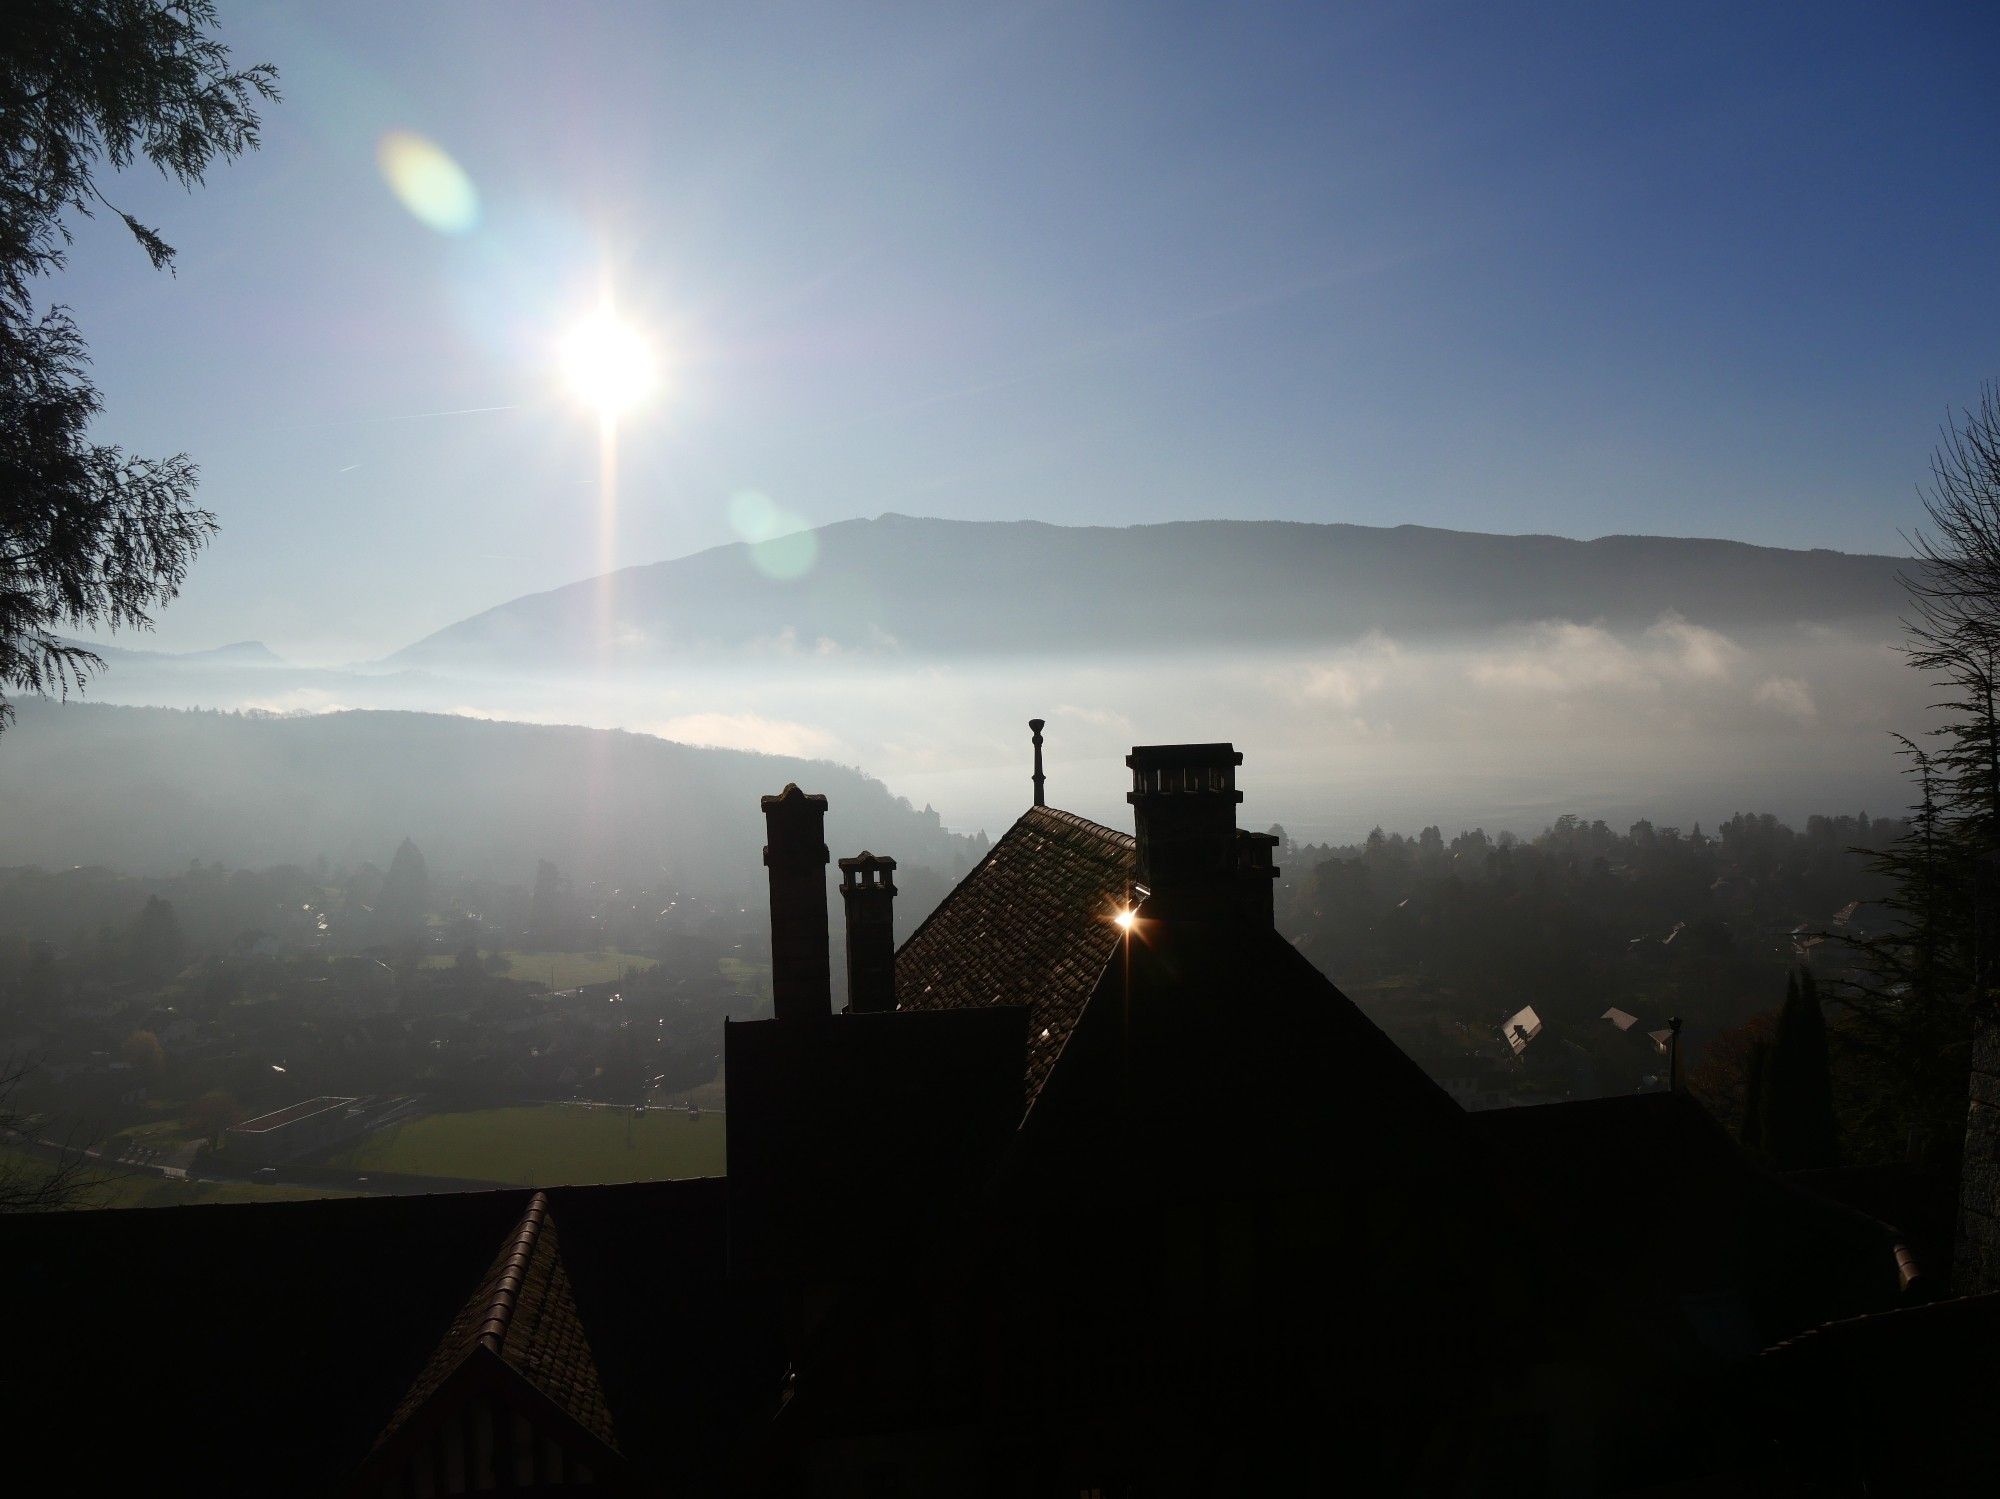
<point x="308" y="1323"/>
<point x="522" y="1314"/>
<point x="1032" y="925"/>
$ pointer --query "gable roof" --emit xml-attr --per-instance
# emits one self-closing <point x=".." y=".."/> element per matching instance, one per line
<point x="1221" y="1008"/>
<point x="1030" y="925"/>
<point x="522" y="1314"/>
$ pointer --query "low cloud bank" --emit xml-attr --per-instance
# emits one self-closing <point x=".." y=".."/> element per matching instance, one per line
<point x="1675" y="721"/>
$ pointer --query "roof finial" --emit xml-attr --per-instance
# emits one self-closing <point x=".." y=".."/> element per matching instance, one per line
<point x="1035" y="724"/>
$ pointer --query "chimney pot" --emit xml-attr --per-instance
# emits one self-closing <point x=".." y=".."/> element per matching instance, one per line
<point x="795" y="853"/>
<point x="868" y="890"/>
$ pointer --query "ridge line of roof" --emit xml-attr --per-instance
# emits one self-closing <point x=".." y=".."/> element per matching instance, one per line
<point x="1923" y="1311"/>
<point x="493" y="1327"/>
<point x="1080" y="824"/>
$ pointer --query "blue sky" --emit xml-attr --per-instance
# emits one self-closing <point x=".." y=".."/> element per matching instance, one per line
<point x="1683" y="269"/>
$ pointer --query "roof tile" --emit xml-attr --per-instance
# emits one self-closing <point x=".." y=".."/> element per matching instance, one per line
<point x="1030" y="925"/>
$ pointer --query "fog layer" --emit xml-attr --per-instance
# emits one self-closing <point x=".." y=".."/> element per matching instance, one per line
<point x="1678" y="721"/>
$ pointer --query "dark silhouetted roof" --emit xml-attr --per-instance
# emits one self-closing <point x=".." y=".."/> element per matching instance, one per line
<point x="1649" y="1195"/>
<point x="1899" y="1401"/>
<point x="334" y="1306"/>
<point x="1030" y="925"/>
<point x="853" y="1137"/>
<point x="524" y="1314"/>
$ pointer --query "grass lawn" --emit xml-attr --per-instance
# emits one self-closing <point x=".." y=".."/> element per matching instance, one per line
<point x="545" y="1145"/>
<point x="162" y="1134"/>
<point x="561" y="970"/>
<point x="709" y="1095"/>
<point x="751" y="978"/>
<point x="115" y="1187"/>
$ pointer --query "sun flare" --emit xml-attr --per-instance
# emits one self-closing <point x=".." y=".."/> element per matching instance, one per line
<point x="609" y="364"/>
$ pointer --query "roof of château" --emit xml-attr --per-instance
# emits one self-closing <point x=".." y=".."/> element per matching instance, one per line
<point x="1030" y="925"/>
<point x="523" y="1313"/>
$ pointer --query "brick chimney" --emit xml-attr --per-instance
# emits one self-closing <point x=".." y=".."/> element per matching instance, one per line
<point x="795" y="853"/>
<point x="1184" y="800"/>
<point x="1257" y="876"/>
<point x="868" y="890"/>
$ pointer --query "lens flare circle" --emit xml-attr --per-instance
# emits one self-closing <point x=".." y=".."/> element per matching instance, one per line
<point x="783" y="546"/>
<point x="428" y="182"/>
<point x="608" y="364"/>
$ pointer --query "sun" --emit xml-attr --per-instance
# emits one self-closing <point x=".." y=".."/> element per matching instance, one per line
<point x="608" y="364"/>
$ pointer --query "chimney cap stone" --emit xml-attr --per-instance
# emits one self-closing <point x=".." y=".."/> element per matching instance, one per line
<point x="1183" y="754"/>
<point x="792" y="796"/>
<point x="866" y="860"/>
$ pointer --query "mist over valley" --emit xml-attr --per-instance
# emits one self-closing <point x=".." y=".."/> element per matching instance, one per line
<point x="1397" y="677"/>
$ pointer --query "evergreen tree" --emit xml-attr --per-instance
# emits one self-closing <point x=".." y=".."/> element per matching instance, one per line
<point x="547" y="907"/>
<point x="1913" y="1004"/>
<point x="89" y="535"/>
<point x="404" y="899"/>
<point x="1795" y="1102"/>
<point x="154" y="948"/>
<point x="1751" y="1132"/>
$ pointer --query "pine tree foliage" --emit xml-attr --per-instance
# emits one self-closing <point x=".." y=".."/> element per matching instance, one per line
<point x="1795" y="1102"/>
<point x="91" y="536"/>
<point x="1910" y="1010"/>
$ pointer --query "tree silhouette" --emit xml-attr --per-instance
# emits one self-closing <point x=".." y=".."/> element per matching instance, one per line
<point x="1914" y="1002"/>
<point x="404" y="898"/>
<point x="89" y="535"/>
<point x="143" y="1051"/>
<point x="154" y="946"/>
<point x="1795" y="1099"/>
<point x="548" y="906"/>
<point x="211" y="1114"/>
<point x="32" y="1184"/>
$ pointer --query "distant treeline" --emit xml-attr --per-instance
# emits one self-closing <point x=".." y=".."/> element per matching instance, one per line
<point x="1582" y="917"/>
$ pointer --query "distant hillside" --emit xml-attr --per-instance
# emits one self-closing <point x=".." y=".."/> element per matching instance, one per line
<point x="935" y="587"/>
<point x="148" y="789"/>
<point x="241" y="653"/>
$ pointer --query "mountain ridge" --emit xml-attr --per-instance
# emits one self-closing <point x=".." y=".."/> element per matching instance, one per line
<point x="912" y="584"/>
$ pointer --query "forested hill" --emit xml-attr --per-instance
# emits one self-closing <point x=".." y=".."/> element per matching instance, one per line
<point x="915" y="586"/>
<point x="147" y="790"/>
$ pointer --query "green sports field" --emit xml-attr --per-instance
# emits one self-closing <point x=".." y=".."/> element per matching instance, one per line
<point x="545" y="1145"/>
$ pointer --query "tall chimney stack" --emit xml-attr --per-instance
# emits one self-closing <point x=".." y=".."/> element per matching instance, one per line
<point x="1257" y="876"/>
<point x="795" y="853"/>
<point x="868" y="890"/>
<point x="1184" y="800"/>
<point x="1035" y="727"/>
